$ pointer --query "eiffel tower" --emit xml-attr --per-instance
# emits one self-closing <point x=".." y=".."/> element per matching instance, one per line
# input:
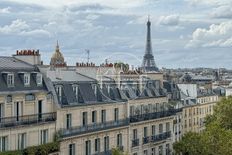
<point x="148" y="64"/>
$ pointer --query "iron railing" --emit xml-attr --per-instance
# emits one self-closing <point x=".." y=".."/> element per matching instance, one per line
<point x="154" y="115"/>
<point x="135" y="142"/>
<point x="27" y="119"/>
<point x="161" y="137"/>
<point x="93" y="127"/>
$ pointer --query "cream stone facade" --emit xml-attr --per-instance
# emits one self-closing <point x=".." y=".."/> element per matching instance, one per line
<point x="194" y="115"/>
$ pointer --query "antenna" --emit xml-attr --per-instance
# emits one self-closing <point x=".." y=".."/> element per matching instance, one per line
<point x="88" y="53"/>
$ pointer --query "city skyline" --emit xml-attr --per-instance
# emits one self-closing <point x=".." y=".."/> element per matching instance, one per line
<point x="188" y="33"/>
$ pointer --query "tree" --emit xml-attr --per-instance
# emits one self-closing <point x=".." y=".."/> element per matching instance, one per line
<point x="216" y="139"/>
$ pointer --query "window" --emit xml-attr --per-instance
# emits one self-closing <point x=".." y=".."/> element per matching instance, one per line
<point x="75" y="90"/>
<point x="97" y="145"/>
<point x="152" y="151"/>
<point x="26" y="79"/>
<point x="9" y="98"/>
<point x="134" y="134"/>
<point x="39" y="79"/>
<point x="3" y="143"/>
<point x="160" y="128"/>
<point x="103" y="116"/>
<point x="132" y="110"/>
<point x="21" y="141"/>
<point x="106" y="143"/>
<point x="167" y="126"/>
<point x="119" y="140"/>
<point x="10" y="80"/>
<point x="145" y="152"/>
<point x="44" y="136"/>
<point x="30" y="97"/>
<point x="88" y="147"/>
<point x="84" y="118"/>
<point x="153" y="130"/>
<point x="116" y="114"/>
<point x="68" y="121"/>
<point x="167" y="149"/>
<point x="145" y="132"/>
<point x="94" y="86"/>
<point x="72" y="149"/>
<point x="160" y="150"/>
<point x="59" y="92"/>
<point x="94" y="116"/>
<point x="1" y="111"/>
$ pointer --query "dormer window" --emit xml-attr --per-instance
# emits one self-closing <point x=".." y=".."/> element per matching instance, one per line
<point x="94" y="87"/>
<point x="59" y="92"/>
<point x="10" y="80"/>
<point x="26" y="79"/>
<point x="75" y="90"/>
<point x="39" y="79"/>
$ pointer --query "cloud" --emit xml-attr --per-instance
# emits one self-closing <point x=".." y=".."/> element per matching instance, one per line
<point x="217" y="35"/>
<point x="222" y="12"/>
<point x="5" y="10"/>
<point x="35" y="33"/>
<point x="209" y="2"/>
<point x="16" y="26"/>
<point x="170" y="20"/>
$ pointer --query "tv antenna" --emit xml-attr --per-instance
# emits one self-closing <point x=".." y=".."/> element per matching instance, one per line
<point x="88" y="53"/>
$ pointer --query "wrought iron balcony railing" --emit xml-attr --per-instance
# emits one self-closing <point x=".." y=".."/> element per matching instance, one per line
<point x="160" y="137"/>
<point x="135" y="142"/>
<point x="27" y="119"/>
<point x="146" y="140"/>
<point x="93" y="128"/>
<point x="108" y="152"/>
<point x="154" y="115"/>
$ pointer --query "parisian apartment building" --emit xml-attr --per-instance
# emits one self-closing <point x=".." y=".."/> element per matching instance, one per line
<point x="93" y="109"/>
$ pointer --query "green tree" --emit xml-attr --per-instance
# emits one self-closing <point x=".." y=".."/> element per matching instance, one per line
<point x="216" y="139"/>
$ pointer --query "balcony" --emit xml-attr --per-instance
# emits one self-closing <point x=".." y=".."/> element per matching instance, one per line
<point x="135" y="142"/>
<point x="27" y="120"/>
<point x="155" y="115"/>
<point x="145" y="140"/>
<point x="161" y="137"/>
<point x="108" y="152"/>
<point x="93" y="128"/>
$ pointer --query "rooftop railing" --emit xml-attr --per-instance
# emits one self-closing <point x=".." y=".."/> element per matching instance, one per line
<point x="93" y="127"/>
<point x="154" y="115"/>
<point x="27" y="119"/>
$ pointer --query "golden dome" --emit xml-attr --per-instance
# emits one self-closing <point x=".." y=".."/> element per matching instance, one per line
<point x="57" y="57"/>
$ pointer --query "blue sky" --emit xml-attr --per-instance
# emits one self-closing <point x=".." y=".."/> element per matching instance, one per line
<point x="185" y="33"/>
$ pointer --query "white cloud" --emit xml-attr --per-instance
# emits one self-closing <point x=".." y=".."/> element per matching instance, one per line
<point x="35" y="33"/>
<point x="217" y="35"/>
<point x="222" y="12"/>
<point x="16" y="26"/>
<point x="209" y="2"/>
<point x="171" y="20"/>
<point x="5" y="10"/>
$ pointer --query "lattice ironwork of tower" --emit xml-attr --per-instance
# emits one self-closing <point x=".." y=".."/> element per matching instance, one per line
<point x="149" y="64"/>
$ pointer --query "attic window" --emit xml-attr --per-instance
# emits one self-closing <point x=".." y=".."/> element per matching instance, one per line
<point x="26" y="79"/>
<point x="75" y="90"/>
<point x="39" y="79"/>
<point x="10" y="80"/>
<point x="94" y="86"/>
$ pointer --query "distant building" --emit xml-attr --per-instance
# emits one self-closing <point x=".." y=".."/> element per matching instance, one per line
<point x="57" y="59"/>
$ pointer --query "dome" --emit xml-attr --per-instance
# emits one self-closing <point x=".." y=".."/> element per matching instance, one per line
<point x="57" y="57"/>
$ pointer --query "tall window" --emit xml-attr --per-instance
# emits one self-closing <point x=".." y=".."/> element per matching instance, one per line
<point x="59" y="92"/>
<point x="75" y="90"/>
<point x="68" y="121"/>
<point x="72" y="149"/>
<point x="39" y="79"/>
<point x="160" y="128"/>
<point x="106" y="143"/>
<point x="44" y="136"/>
<point x="94" y="116"/>
<point x="160" y="150"/>
<point x="10" y="80"/>
<point x="167" y="127"/>
<point x="88" y="147"/>
<point x="135" y="134"/>
<point x="132" y="110"/>
<point x="97" y="145"/>
<point x="84" y="118"/>
<point x="94" y="86"/>
<point x="145" y="152"/>
<point x="21" y="141"/>
<point x="119" y="140"/>
<point x="3" y="144"/>
<point x="26" y="79"/>
<point x="167" y="149"/>
<point x="145" y="132"/>
<point x="153" y="130"/>
<point x="1" y="111"/>
<point x="153" y="151"/>
<point x="116" y="114"/>
<point x="103" y="116"/>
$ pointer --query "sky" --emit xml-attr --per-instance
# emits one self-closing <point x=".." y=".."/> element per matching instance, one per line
<point x="185" y="33"/>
